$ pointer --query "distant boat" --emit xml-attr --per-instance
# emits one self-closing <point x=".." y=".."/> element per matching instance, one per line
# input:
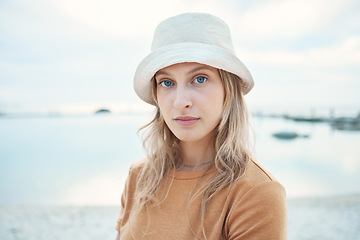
<point x="103" y="110"/>
<point x="285" y="135"/>
<point x="306" y="119"/>
<point x="346" y="123"/>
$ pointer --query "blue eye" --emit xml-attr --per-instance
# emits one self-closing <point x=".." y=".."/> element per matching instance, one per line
<point x="200" y="79"/>
<point x="166" y="83"/>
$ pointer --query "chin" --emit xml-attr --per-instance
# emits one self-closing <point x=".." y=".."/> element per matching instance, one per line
<point x="186" y="137"/>
<point x="189" y="137"/>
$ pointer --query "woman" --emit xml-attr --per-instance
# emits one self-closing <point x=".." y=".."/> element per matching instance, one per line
<point x="199" y="179"/>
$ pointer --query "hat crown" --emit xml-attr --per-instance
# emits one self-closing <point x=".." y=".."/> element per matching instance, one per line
<point x="193" y="28"/>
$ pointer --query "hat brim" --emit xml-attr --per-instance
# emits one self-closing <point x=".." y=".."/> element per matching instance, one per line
<point x="187" y="52"/>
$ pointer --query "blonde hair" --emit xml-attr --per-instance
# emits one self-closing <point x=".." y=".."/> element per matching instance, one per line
<point x="232" y="147"/>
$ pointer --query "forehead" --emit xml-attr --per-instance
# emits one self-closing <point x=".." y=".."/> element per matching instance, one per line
<point x="187" y="68"/>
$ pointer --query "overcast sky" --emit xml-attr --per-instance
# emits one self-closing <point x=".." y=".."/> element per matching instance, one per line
<point x="78" y="55"/>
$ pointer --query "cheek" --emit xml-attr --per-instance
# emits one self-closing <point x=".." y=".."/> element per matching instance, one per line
<point x="217" y="106"/>
<point x="160" y="99"/>
<point x="217" y="99"/>
<point x="164" y="106"/>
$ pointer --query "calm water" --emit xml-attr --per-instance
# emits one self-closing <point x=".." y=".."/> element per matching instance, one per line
<point x="77" y="161"/>
<point x="66" y="160"/>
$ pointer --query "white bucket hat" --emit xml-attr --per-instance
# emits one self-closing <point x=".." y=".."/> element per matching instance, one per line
<point x="190" y="37"/>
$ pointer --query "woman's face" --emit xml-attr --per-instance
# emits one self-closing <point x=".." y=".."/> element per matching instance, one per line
<point x="190" y="98"/>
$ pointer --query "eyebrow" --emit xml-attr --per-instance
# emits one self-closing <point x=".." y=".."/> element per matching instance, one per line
<point x="199" y="69"/>
<point x="162" y="73"/>
<point x="188" y="73"/>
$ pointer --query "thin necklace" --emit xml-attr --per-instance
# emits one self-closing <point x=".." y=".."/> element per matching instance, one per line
<point x="193" y="166"/>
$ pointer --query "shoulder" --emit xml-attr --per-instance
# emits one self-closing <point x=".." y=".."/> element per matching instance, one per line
<point x="255" y="176"/>
<point x="137" y="166"/>
<point x="134" y="171"/>
<point x="258" y="199"/>
<point x="257" y="184"/>
<point x="258" y="173"/>
<point x="258" y="188"/>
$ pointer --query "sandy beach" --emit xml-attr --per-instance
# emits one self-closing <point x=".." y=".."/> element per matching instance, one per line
<point x="335" y="218"/>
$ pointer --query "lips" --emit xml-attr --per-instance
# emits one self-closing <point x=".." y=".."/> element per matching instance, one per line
<point x="186" y="120"/>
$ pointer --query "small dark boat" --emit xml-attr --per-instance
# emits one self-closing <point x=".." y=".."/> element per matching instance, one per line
<point x="102" y="110"/>
<point x="288" y="135"/>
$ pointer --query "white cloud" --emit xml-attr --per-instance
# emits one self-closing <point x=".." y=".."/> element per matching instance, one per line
<point x="333" y="78"/>
<point x="129" y="19"/>
<point x="139" y="18"/>
<point x="345" y="54"/>
<point x="282" y="18"/>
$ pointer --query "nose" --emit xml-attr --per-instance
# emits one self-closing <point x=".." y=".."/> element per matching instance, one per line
<point x="182" y="98"/>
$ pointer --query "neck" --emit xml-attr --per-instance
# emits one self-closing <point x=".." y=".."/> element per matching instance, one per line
<point x="198" y="155"/>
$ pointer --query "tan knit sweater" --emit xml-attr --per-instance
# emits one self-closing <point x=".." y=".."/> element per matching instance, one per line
<point x="253" y="207"/>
